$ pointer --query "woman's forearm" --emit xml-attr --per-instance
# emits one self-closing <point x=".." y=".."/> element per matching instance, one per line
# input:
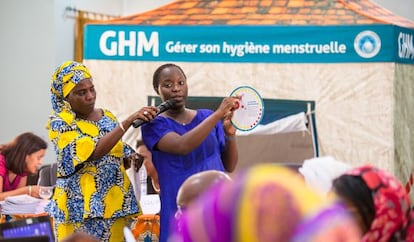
<point x="108" y="141"/>
<point x="19" y="191"/>
<point x="184" y="144"/>
<point x="230" y="155"/>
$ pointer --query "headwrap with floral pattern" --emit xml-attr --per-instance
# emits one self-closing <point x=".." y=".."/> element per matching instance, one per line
<point x="392" y="205"/>
<point x="64" y="80"/>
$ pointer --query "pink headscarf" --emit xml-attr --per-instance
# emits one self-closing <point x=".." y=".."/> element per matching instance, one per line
<point x="393" y="213"/>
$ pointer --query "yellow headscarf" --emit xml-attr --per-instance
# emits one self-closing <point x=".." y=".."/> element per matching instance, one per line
<point x="64" y="80"/>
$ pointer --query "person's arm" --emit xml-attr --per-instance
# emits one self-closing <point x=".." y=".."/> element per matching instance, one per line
<point x="108" y="141"/>
<point x="20" y="190"/>
<point x="152" y="172"/>
<point x="230" y="155"/>
<point x="184" y="144"/>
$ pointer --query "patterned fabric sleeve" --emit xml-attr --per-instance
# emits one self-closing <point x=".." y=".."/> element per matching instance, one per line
<point x="74" y="141"/>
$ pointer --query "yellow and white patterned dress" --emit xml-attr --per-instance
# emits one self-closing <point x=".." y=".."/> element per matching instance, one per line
<point x="96" y="195"/>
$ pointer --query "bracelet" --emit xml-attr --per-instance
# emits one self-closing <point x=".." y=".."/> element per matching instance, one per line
<point x="30" y="190"/>
<point x="229" y="138"/>
<point x="121" y="126"/>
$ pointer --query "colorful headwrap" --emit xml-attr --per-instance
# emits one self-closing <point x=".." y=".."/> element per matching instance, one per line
<point x="392" y="205"/>
<point x="265" y="203"/>
<point x="64" y="80"/>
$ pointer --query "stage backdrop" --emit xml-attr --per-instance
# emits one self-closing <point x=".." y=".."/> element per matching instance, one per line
<point x="354" y="59"/>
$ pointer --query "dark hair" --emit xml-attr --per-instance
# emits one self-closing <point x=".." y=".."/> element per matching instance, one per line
<point x="16" y="151"/>
<point x="156" y="76"/>
<point x="354" y="190"/>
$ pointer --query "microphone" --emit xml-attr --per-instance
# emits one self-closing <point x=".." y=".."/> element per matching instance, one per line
<point x="163" y="107"/>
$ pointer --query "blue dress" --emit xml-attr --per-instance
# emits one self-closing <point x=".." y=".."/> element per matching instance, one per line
<point x="174" y="169"/>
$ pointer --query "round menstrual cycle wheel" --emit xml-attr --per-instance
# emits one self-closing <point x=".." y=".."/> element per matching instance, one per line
<point x="249" y="109"/>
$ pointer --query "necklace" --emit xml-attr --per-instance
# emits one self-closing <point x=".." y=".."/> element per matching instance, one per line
<point x="181" y="119"/>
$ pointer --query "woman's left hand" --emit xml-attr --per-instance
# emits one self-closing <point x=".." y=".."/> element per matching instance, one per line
<point x="229" y="129"/>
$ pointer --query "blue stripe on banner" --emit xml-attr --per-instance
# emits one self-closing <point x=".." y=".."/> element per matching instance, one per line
<point x="254" y="44"/>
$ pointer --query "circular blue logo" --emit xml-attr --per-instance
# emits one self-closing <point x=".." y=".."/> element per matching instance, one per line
<point x="367" y="44"/>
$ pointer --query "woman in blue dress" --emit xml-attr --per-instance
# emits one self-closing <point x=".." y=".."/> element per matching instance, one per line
<point x="185" y="141"/>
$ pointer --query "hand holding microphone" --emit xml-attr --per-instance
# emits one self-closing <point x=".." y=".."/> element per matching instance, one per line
<point x="150" y="114"/>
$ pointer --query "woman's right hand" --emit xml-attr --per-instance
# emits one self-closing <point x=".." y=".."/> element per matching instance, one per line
<point x="146" y="114"/>
<point x="228" y="105"/>
<point x="33" y="191"/>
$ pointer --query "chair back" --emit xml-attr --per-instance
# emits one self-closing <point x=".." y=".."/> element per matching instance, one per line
<point x="47" y="175"/>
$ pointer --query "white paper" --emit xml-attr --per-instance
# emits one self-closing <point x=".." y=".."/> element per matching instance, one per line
<point x="150" y="204"/>
<point x="23" y="204"/>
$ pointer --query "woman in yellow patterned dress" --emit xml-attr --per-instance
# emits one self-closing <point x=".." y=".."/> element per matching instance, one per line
<point x="93" y="193"/>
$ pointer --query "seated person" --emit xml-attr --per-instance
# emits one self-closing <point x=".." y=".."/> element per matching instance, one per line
<point x="133" y="166"/>
<point x="192" y="188"/>
<point x="378" y="202"/>
<point x="265" y="203"/>
<point x="19" y="158"/>
<point x="153" y="187"/>
<point x="196" y="184"/>
<point x="146" y="227"/>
